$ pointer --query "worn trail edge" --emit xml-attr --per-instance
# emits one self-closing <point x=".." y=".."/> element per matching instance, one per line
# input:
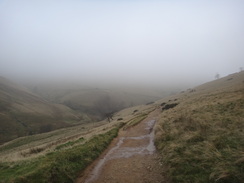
<point x="131" y="158"/>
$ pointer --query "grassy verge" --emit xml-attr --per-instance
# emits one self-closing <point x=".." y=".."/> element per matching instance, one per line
<point x="60" y="166"/>
<point x="135" y="121"/>
<point x="202" y="141"/>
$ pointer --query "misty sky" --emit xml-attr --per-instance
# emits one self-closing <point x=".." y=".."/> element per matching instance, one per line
<point x="136" y="41"/>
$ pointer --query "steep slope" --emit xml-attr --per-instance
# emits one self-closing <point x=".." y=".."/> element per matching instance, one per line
<point x="23" y="113"/>
<point x="201" y="138"/>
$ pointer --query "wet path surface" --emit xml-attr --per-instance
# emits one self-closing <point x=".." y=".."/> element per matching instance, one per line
<point x="131" y="158"/>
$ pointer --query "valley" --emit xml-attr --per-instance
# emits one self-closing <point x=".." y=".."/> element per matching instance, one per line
<point x="198" y="137"/>
<point x="31" y="110"/>
<point x="122" y="91"/>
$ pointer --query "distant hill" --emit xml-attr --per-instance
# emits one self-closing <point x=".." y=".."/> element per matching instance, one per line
<point x="24" y="113"/>
<point x="95" y="102"/>
<point x="42" y="108"/>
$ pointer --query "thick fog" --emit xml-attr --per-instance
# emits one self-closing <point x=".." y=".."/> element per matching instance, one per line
<point x="121" y="41"/>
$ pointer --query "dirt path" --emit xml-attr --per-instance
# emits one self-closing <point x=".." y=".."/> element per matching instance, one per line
<point x="130" y="158"/>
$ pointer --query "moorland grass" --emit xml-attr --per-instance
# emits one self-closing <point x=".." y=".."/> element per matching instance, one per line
<point x="59" y="166"/>
<point x="29" y="139"/>
<point x="202" y="140"/>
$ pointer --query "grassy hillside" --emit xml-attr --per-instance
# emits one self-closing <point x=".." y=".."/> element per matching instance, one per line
<point x="202" y="138"/>
<point x="61" y="155"/>
<point x="59" y="166"/>
<point x="23" y="113"/>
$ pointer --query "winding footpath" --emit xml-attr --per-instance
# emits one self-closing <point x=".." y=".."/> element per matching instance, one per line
<point x="130" y="158"/>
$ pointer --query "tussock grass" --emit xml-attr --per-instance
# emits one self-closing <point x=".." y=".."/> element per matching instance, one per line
<point x="34" y="150"/>
<point x="202" y="139"/>
<point x="70" y="143"/>
<point x="60" y="166"/>
<point x="29" y="139"/>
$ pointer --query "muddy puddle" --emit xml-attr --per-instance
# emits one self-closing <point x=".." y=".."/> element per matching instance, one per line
<point x="128" y="147"/>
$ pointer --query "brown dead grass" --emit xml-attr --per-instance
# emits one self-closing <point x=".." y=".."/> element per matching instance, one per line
<point x="201" y="139"/>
